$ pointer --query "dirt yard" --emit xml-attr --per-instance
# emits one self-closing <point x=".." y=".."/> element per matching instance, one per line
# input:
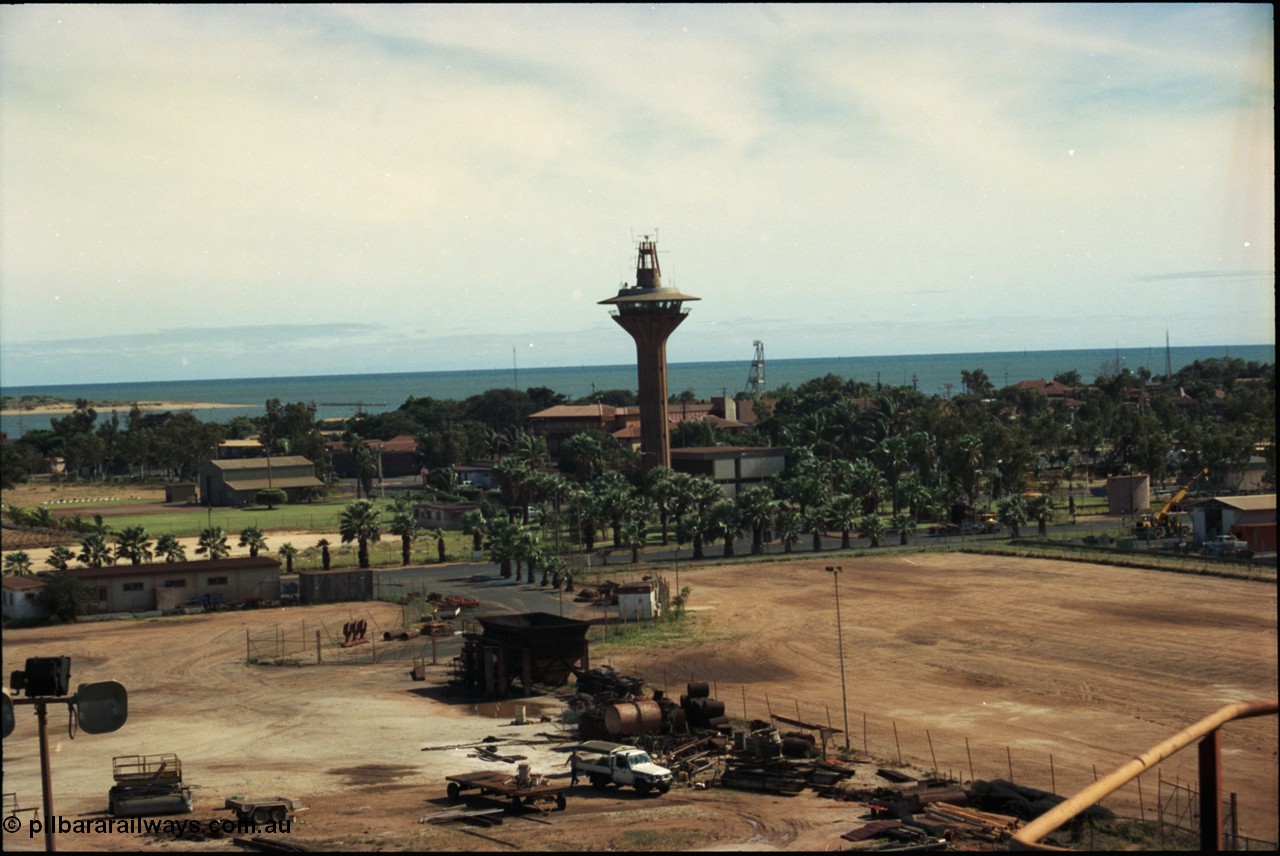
<point x="1051" y="669"/>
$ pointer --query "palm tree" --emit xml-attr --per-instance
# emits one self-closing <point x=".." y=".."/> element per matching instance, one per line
<point x="287" y="551"/>
<point x="787" y="526"/>
<point x="405" y="524"/>
<point x="323" y="544"/>
<point x="893" y="457"/>
<point x="359" y="522"/>
<point x="842" y="513"/>
<point x="514" y="477"/>
<point x="364" y="462"/>
<point x="18" y="563"/>
<point x="503" y="544"/>
<point x="969" y="448"/>
<point x="725" y="523"/>
<point x="756" y="506"/>
<point x="1040" y="509"/>
<point x="133" y="544"/>
<point x="214" y="542"/>
<point x="168" y="548"/>
<point x="872" y="526"/>
<point x="614" y="494"/>
<point x="904" y="524"/>
<point x="815" y="521"/>
<point x="94" y="552"/>
<point x="252" y="537"/>
<point x="664" y="490"/>
<point x="475" y="525"/>
<point x="60" y="558"/>
<point x="1012" y="512"/>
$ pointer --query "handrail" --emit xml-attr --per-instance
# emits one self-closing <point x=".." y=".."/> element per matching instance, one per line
<point x="1028" y="838"/>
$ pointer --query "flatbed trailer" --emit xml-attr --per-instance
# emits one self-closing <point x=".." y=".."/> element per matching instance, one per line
<point x="263" y="810"/>
<point x="529" y="791"/>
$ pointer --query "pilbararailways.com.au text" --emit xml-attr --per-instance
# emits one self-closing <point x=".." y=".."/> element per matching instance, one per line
<point x="153" y="826"/>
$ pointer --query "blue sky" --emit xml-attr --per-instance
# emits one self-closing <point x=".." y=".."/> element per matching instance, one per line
<point x="223" y="191"/>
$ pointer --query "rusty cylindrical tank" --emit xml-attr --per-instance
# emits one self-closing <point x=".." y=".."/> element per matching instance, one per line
<point x="641" y="716"/>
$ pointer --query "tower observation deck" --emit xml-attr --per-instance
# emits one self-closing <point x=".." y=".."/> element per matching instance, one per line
<point x="650" y="312"/>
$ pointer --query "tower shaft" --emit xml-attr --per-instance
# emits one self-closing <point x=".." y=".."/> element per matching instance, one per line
<point x="649" y="312"/>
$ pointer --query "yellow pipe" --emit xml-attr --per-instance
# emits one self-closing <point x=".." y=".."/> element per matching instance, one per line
<point x="1029" y="836"/>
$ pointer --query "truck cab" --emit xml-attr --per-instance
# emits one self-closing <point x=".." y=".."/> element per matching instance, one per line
<point x="622" y="765"/>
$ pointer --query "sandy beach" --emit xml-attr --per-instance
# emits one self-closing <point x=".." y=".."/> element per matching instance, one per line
<point x="61" y="409"/>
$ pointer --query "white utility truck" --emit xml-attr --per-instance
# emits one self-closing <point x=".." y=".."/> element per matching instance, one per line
<point x="604" y="763"/>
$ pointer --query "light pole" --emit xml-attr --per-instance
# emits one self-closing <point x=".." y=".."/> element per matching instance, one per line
<point x="844" y="693"/>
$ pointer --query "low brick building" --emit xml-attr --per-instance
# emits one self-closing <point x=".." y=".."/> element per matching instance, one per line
<point x="168" y="585"/>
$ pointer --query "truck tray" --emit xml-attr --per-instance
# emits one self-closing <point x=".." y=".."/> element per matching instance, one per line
<point x="495" y="784"/>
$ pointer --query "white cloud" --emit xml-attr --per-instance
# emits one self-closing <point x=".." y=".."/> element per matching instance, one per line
<point x="477" y="168"/>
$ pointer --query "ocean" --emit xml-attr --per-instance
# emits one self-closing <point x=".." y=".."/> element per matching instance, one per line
<point x="342" y="395"/>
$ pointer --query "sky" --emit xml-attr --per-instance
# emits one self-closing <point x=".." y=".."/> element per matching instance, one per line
<point x="206" y="191"/>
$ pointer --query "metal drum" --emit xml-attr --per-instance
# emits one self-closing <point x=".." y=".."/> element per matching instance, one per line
<point x="642" y="716"/>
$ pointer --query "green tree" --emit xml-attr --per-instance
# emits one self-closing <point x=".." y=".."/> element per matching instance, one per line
<point x="756" y="508"/>
<point x="405" y="525"/>
<point x="903" y="524"/>
<point x="360" y="522"/>
<point x="60" y="558"/>
<point x="788" y="527"/>
<point x="287" y="551"/>
<point x="252" y="537"/>
<point x="133" y="543"/>
<point x="475" y="525"/>
<point x="213" y="542"/>
<point x="64" y="597"/>
<point x="1012" y="512"/>
<point x="504" y="537"/>
<point x="17" y="462"/>
<point x="18" y="564"/>
<point x="94" y="551"/>
<point x="169" y="549"/>
<point x="872" y="526"/>
<point x="1040" y="509"/>
<point x="843" y="514"/>
<point x="815" y="523"/>
<point x="726" y="523"/>
<point x="271" y="497"/>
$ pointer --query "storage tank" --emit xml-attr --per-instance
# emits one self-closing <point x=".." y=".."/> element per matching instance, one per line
<point x="642" y="716"/>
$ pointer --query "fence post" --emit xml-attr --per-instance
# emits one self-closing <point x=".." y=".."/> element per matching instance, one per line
<point x="895" y="740"/>
<point x="319" y="655"/>
<point x="970" y="754"/>
<point x="929" y="737"/>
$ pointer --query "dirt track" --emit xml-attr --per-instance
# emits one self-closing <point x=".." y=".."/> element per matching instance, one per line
<point x="1024" y="659"/>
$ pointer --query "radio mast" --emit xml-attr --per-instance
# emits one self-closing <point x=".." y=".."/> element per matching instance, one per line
<point x="755" y="380"/>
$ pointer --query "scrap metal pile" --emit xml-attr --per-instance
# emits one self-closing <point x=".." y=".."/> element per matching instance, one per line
<point x="702" y="747"/>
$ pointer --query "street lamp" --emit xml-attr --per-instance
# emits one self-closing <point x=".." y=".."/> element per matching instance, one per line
<point x="844" y="692"/>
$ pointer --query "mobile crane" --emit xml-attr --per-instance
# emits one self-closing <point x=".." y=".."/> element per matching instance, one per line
<point x="1162" y="524"/>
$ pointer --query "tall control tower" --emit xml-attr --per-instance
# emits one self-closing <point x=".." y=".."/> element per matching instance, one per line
<point x="649" y="312"/>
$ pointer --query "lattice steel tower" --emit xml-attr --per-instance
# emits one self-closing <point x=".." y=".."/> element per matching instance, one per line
<point x="755" y="379"/>
<point x="650" y="312"/>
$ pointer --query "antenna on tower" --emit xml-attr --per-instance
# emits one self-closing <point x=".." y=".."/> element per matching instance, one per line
<point x="755" y="380"/>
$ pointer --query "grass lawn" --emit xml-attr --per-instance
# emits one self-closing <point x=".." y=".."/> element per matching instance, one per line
<point x="313" y="516"/>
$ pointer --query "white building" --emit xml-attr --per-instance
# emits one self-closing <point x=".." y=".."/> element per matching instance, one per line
<point x="19" y="598"/>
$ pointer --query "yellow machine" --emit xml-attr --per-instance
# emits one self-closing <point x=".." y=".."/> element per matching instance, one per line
<point x="1163" y="524"/>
